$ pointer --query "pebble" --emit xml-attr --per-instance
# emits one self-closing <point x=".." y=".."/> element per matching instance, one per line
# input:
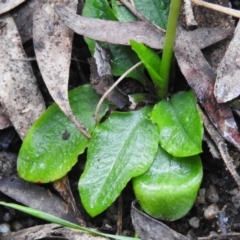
<point x="234" y="192"/>
<point x="212" y="194"/>
<point x="17" y="226"/>
<point x="194" y="222"/>
<point x="4" y="228"/>
<point x="201" y="196"/>
<point x="211" y="212"/>
<point x="7" y="217"/>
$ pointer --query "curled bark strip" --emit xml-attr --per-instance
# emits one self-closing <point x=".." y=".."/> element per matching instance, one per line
<point x="121" y="32"/>
<point x="8" y="5"/>
<point x="201" y="78"/>
<point x="19" y="93"/>
<point x="53" y="47"/>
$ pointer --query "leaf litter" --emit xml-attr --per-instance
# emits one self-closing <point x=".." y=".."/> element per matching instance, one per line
<point x="226" y="124"/>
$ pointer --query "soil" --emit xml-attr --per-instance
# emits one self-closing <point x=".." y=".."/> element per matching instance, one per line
<point x="215" y="214"/>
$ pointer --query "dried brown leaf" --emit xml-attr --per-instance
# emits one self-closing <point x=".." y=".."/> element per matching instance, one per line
<point x="201" y="78"/>
<point x="53" y="47"/>
<point x="8" y="5"/>
<point x="19" y="93"/>
<point x="228" y="81"/>
<point x="121" y="32"/>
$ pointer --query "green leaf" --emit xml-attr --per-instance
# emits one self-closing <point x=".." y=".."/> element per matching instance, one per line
<point x="169" y="188"/>
<point x="122" y="57"/>
<point x="53" y="219"/>
<point x="155" y="10"/>
<point x="180" y="125"/>
<point x="152" y="62"/>
<point x="122" y="13"/>
<point x="122" y="147"/>
<point x="53" y="143"/>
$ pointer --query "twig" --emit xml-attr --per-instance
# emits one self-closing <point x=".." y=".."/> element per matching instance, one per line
<point x="112" y="87"/>
<point x="222" y="147"/>
<point x="120" y="215"/>
<point x="218" y="8"/>
<point x="190" y="20"/>
<point x="139" y="15"/>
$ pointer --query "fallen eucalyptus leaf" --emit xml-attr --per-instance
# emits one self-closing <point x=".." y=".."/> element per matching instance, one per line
<point x="19" y="93"/>
<point x="53" y="47"/>
<point x="227" y="81"/>
<point x="149" y="228"/>
<point x="8" y="5"/>
<point x="113" y="158"/>
<point x="138" y="31"/>
<point x="201" y="77"/>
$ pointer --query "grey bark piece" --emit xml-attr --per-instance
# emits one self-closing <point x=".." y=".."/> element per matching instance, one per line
<point x="227" y="82"/>
<point x="19" y="93"/>
<point x="121" y="32"/>
<point x="7" y="5"/>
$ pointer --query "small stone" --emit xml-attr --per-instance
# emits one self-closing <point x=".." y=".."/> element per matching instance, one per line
<point x="234" y="192"/>
<point x="7" y="217"/>
<point x="17" y="226"/>
<point x="212" y="194"/>
<point x="211" y="212"/>
<point x="4" y="228"/>
<point x="194" y="222"/>
<point x="202" y="192"/>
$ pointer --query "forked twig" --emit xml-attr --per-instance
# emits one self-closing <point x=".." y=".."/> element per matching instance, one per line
<point x="216" y="7"/>
<point x="222" y="147"/>
<point x="112" y="87"/>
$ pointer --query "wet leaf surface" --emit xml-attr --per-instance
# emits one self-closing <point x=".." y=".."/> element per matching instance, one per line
<point x="179" y="124"/>
<point x="122" y="147"/>
<point x="169" y="188"/>
<point x="53" y="143"/>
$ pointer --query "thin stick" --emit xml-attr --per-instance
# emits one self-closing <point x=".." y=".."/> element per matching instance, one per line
<point x="190" y="20"/>
<point x="218" y="8"/>
<point x="139" y="15"/>
<point x="120" y="215"/>
<point x="112" y="87"/>
<point x="222" y="147"/>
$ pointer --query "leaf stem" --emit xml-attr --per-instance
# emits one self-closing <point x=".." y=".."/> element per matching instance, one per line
<point x="168" y="46"/>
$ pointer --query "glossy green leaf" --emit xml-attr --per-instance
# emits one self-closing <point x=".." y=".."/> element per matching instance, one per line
<point x="122" y="57"/>
<point x="53" y="219"/>
<point x="180" y="125"/>
<point x="155" y="10"/>
<point x="122" y="147"/>
<point x="52" y="145"/>
<point x="122" y="13"/>
<point x="152" y="62"/>
<point x="169" y="188"/>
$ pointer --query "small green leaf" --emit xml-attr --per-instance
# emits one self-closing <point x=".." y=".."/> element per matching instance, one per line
<point x="53" y="143"/>
<point x="180" y="125"/>
<point x="152" y="62"/>
<point x="122" y="147"/>
<point x="50" y="218"/>
<point x="122" y="13"/>
<point x="169" y="188"/>
<point x="155" y="10"/>
<point x="122" y="57"/>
